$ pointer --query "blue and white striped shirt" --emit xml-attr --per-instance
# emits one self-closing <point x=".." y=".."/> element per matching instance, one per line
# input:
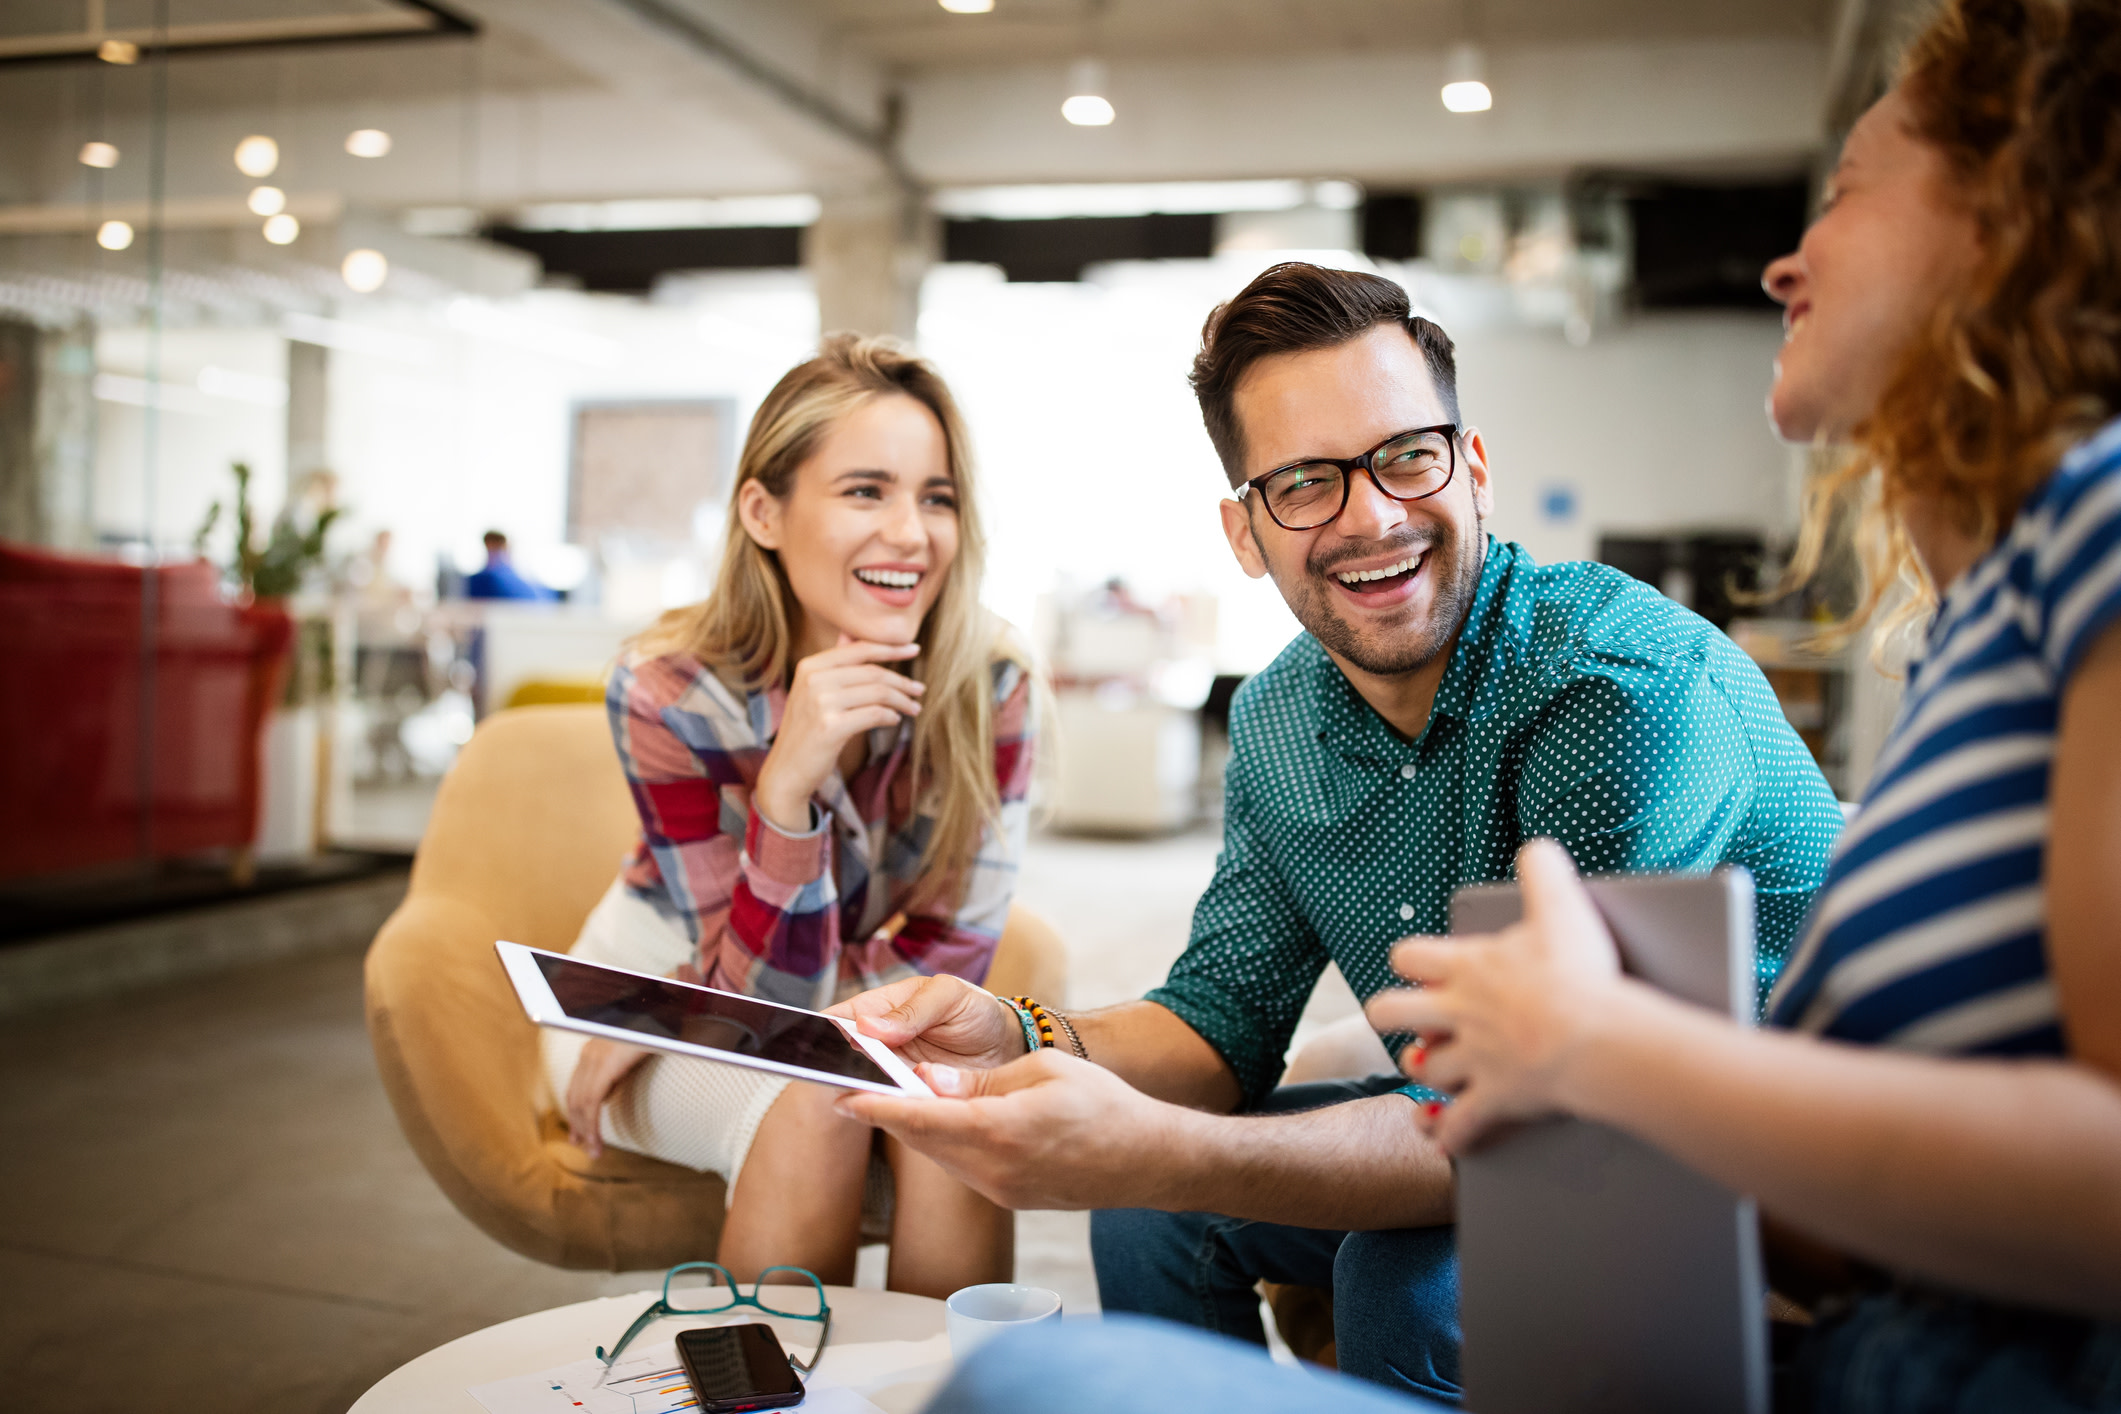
<point x="1930" y="932"/>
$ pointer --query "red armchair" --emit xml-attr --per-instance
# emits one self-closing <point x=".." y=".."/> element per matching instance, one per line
<point x="71" y="701"/>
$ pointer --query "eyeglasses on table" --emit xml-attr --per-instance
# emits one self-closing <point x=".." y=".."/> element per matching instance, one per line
<point x="716" y="1290"/>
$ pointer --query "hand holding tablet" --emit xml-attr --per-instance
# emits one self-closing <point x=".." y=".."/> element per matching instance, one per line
<point x="683" y="1019"/>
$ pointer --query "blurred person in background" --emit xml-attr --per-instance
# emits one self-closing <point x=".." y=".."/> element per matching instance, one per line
<point x="830" y="756"/>
<point x="1450" y="699"/>
<point x="1932" y="1121"/>
<point x="499" y="578"/>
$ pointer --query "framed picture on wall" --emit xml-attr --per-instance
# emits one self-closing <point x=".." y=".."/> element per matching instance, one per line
<point x="650" y="471"/>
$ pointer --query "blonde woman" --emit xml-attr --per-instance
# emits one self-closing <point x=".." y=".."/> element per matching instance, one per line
<point x="829" y="756"/>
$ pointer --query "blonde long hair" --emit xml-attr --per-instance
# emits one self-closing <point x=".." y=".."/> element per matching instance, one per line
<point x="745" y="629"/>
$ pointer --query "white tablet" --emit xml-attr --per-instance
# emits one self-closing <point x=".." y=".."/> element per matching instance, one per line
<point x="687" y="1020"/>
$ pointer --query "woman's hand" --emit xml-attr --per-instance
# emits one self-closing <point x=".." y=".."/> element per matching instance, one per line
<point x="940" y="1019"/>
<point x="1501" y="1018"/>
<point x="836" y="695"/>
<point x="602" y="1065"/>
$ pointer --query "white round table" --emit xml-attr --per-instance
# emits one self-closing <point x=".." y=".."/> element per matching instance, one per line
<point x="889" y="1347"/>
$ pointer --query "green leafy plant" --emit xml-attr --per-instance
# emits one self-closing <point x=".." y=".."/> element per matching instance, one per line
<point x="277" y="569"/>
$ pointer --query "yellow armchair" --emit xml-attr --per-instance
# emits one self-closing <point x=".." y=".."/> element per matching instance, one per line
<point x="528" y="830"/>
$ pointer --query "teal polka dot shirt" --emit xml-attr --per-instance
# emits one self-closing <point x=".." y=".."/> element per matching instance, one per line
<point x="1579" y="704"/>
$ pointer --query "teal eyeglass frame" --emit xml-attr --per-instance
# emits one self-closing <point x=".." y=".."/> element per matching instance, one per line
<point x="735" y="1298"/>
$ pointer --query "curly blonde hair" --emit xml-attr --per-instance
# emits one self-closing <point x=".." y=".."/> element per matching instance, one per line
<point x="2024" y="359"/>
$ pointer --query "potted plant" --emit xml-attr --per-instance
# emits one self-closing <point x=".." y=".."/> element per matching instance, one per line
<point x="268" y="576"/>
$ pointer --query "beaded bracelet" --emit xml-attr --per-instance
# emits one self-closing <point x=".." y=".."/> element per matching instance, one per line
<point x="1046" y="1018"/>
<point x="1023" y="1017"/>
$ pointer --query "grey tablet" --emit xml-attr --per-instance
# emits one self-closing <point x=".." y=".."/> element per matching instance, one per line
<point x="1595" y="1273"/>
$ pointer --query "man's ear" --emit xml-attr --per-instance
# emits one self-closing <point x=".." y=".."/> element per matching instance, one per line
<point x="1477" y="472"/>
<point x="760" y="513"/>
<point x="1237" y="529"/>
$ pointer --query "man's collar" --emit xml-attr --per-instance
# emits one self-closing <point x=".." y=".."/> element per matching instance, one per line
<point x="1461" y="693"/>
<point x="1350" y="725"/>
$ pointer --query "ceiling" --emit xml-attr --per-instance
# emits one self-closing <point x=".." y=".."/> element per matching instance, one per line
<point x="917" y="35"/>
<point x="591" y="100"/>
<point x="506" y="60"/>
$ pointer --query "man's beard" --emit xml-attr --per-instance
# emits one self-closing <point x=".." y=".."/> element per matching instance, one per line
<point x="1454" y="570"/>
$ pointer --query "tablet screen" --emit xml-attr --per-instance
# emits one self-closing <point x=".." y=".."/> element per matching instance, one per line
<point x="701" y="1017"/>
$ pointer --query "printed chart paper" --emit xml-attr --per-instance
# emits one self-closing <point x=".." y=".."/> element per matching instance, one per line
<point x="647" y="1381"/>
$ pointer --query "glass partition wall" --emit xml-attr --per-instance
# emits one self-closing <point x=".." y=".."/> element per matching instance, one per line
<point x="182" y="652"/>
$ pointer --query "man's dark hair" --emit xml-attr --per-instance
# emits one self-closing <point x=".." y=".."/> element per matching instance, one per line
<point x="495" y="540"/>
<point x="1291" y="308"/>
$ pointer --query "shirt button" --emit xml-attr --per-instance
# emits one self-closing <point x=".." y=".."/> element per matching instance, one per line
<point x="1406" y="912"/>
<point x="1406" y="772"/>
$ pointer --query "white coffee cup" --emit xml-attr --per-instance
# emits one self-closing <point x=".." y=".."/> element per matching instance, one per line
<point x="977" y="1314"/>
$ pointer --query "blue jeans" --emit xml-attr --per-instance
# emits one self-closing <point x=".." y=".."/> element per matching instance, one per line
<point x="1907" y="1353"/>
<point x="1126" y="1365"/>
<point x="1395" y="1294"/>
<point x="1889" y="1355"/>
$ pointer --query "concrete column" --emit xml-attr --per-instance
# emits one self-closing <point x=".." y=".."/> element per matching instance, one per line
<point x="22" y="512"/>
<point x="308" y="399"/>
<point x="867" y="253"/>
<point x="66" y="434"/>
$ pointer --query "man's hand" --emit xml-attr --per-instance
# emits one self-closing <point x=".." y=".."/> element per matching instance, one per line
<point x="1500" y="1017"/>
<point x="943" y="1019"/>
<point x="597" y="1072"/>
<point x="1045" y="1131"/>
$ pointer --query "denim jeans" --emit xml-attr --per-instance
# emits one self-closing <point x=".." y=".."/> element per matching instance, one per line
<point x="1902" y="1352"/>
<point x="1395" y="1294"/>
<point x="1889" y="1355"/>
<point x="1126" y="1365"/>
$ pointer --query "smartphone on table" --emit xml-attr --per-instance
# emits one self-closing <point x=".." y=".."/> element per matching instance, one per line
<point x="735" y="1368"/>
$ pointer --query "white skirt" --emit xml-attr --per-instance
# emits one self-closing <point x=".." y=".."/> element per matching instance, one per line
<point x="698" y="1113"/>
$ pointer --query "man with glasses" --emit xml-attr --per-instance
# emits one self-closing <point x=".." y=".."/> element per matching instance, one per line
<point x="1449" y="700"/>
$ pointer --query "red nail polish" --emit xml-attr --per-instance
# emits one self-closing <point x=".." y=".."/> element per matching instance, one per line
<point x="1421" y="1055"/>
<point x="1433" y="1108"/>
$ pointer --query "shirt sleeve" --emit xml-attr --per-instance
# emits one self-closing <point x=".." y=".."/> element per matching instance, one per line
<point x="1252" y="960"/>
<point x="957" y="928"/>
<point x="1646" y="771"/>
<point x="2078" y="566"/>
<point x="675" y="794"/>
<point x="756" y="901"/>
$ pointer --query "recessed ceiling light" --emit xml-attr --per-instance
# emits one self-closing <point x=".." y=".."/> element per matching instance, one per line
<point x="114" y="235"/>
<point x="256" y="156"/>
<point x="968" y="7"/>
<point x="118" y="51"/>
<point x="368" y="142"/>
<point x="98" y="154"/>
<point x="282" y="229"/>
<point x="364" y="271"/>
<point x="267" y="201"/>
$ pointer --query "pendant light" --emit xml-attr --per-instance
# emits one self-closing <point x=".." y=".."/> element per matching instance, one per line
<point x="1465" y="88"/>
<point x="1087" y="106"/>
